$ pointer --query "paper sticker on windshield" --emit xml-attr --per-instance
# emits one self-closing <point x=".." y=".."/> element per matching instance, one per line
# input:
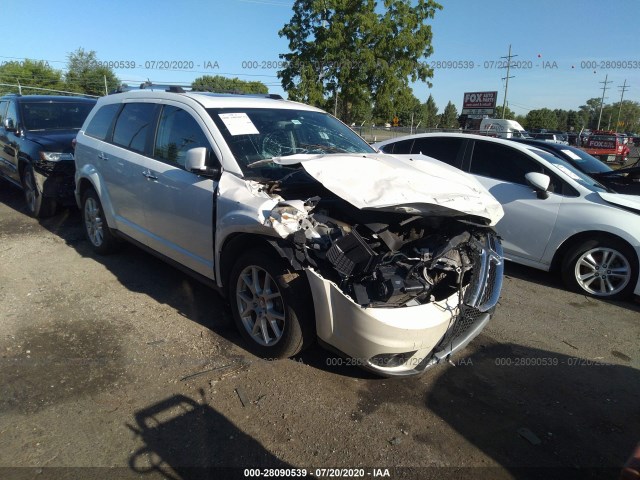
<point x="296" y="122"/>
<point x="238" y="123"/>
<point x="565" y="170"/>
<point x="571" y="155"/>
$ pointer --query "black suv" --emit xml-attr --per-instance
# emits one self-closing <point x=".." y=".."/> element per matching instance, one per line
<point x="36" y="154"/>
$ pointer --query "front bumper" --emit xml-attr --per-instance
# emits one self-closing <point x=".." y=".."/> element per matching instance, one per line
<point x="407" y="340"/>
<point x="56" y="180"/>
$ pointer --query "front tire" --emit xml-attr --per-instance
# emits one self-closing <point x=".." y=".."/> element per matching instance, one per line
<point x="603" y="267"/>
<point x="271" y="307"/>
<point x="96" y="229"/>
<point x="38" y="205"/>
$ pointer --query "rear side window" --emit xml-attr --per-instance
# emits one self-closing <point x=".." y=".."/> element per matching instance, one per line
<point x="101" y="122"/>
<point x="134" y="125"/>
<point x="401" y="147"/>
<point x="443" y="149"/>
<point x="178" y="132"/>
<point x="502" y="163"/>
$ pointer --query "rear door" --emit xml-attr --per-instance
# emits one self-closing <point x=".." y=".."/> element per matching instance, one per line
<point x="528" y="220"/>
<point x="449" y="150"/>
<point x="123" y="163"/>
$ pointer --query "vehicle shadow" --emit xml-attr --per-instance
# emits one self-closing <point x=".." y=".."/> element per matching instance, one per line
<point x="536" y="413"/>
<point x="134" y="268"/>
<point x="188" y="439"/>
<point x="552" y="280"/>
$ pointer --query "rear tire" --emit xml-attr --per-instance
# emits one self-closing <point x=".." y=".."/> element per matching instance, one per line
<point x="603" y="267"/>
<point x="96" y="229"/>
<point x="272" y="308"/>
<point x="38" y="205"/>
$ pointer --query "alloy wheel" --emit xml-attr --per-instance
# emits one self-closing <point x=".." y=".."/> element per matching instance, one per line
<point x="602" y="271"/>
<point x="93" y="221"/>
<point x="260" y="305"/>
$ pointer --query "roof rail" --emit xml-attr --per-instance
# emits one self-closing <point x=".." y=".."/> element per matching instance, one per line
<point x="148" y="85"/>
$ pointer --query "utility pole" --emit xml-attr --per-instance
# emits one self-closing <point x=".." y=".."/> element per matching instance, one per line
<point x="506" y="85"/>
<point x="106" y="90"/>
<point x="604" y="89"/>
<point x="623" y="88"/>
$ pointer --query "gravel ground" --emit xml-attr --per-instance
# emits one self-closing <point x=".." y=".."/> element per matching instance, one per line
<point x="123" y="367"/>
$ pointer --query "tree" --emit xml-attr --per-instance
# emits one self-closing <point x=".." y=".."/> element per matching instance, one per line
<point x="591" y="111"/>
<point x="575" y="121"/>
<point x="402" y="104"/>
<point x="430" y="117"/>
<point x="562" y="116"/>
<point x="629" y="112"/>
<point x="541" y="118"/>
<point x="217" y="83"/>
<point x="367" y="56"/>
<point x="86" y="75"/>
<point x="29" y="73"/>
<point x="449" y="118"/>
<point x="508" y="113"/>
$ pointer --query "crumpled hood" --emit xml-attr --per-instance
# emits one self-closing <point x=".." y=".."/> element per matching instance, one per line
<point x="414" y="184"/>
<point x="627" y="201"/>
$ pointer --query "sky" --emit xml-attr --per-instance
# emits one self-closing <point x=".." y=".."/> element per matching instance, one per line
<point x="564" y="48"/>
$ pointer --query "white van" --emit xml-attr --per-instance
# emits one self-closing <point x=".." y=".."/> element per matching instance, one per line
<point x="497" y="127"/>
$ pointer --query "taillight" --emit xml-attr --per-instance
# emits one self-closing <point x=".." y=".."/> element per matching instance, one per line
<point x="73" y="144"/>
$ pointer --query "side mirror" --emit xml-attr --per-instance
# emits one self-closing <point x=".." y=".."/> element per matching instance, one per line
<point x="9" y="125"/>
<point x="196" y="162"/>
<point x="540" y="182"/>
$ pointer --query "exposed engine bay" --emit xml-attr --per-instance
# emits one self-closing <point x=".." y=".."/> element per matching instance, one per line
<point x="378" y="258"/>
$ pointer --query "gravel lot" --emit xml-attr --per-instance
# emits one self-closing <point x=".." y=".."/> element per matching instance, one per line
<point x="125" y="364"/>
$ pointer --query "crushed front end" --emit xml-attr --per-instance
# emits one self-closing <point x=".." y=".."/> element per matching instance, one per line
<point x="396" y="292"/>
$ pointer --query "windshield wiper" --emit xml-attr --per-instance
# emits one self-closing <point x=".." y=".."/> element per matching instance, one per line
<point x="286" y="161"/>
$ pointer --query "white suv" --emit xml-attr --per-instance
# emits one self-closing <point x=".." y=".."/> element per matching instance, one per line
<point x="307" y="230"/>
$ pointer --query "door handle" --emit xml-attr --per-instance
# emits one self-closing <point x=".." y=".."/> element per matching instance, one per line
<point x="102" y="156"/>
<point x="148" y="175"/>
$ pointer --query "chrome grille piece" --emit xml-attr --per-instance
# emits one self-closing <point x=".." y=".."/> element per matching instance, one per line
<point x="484" y="289"/>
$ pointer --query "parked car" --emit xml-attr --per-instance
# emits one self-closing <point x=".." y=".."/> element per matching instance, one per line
<point x="552" y="137"/>
<point x="307" y="230"/>
<point x="624" y="180"/>
<point x="35" y="147"/>
<point x="556" y="217"/>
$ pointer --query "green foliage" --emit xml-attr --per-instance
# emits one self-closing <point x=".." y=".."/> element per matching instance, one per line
<point x="402" y="104"/>
<point x="217" y="83"/>
<point x="508" y="113"/>
<point x="366" y="56"/>
<point x="591" y="111"/>
<point x="86" y="75"/>
<point x="449" y="118"/>
<point x="541" y="118"/>
<point x="30" y="73"/>
<point x="576" y="121"/>
<point x="430" y="118"/>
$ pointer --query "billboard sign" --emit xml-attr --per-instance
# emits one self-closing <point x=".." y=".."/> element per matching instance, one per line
<point x="479" y="103"/>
